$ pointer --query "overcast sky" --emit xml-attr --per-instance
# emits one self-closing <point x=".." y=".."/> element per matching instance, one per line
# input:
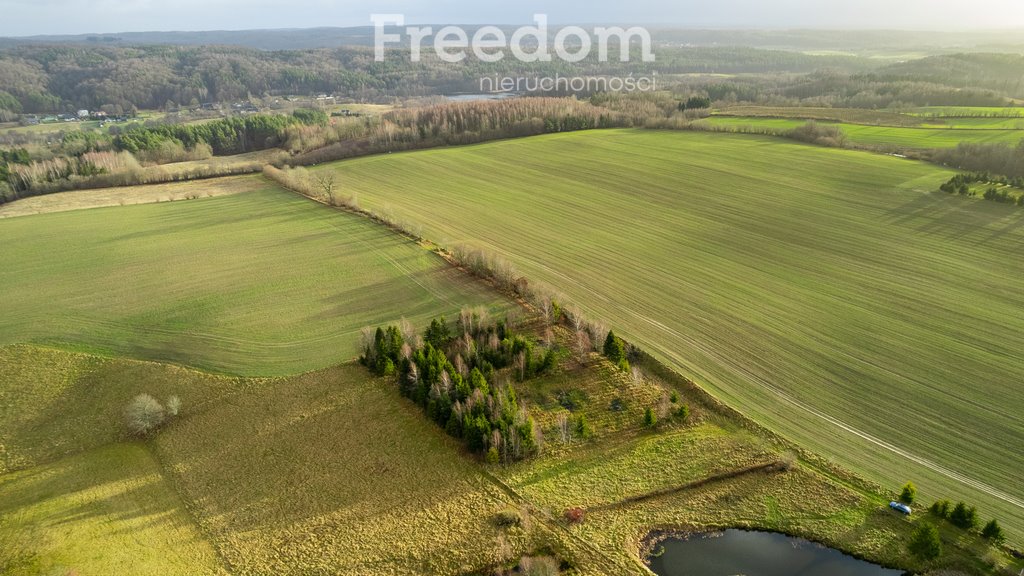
<point x="29" y="17"/>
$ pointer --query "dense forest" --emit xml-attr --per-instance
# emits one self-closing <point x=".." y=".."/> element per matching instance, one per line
<point x="65" y="78"/>
<point x="998" y="72"/>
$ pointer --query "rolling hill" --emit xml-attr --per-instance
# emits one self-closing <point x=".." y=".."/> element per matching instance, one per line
<point x="834" y="296"/>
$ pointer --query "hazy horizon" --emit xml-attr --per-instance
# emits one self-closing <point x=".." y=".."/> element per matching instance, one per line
<point x="70" y="17"/>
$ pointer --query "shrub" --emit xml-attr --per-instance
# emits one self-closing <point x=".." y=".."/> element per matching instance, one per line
<point x="573" y="399"/>
<point x="492" y="456"/>
<point x="173" y="406"/>
<point x="925" y="543"/>
<point x="144" y="414"/>
<point x="508" y="518"/>
<point x="650" y="420"/>
<point x="575" y="515"/>
<point x="623" y="365"/>
<point x="583" y="428"/>
<point x="814" y="133"/>
<point x="682" y="413"/>
<point x="940" y="508"/>
<point x="909" y="493"/>
<point x="994" y="532"/>
<point x="787" y="462"/>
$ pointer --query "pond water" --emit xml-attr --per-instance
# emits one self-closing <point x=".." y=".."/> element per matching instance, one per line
<point x="735" y="552"/>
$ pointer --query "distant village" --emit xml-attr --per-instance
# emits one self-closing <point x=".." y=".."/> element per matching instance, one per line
<point x="240" y="108"/>
<point x="80" y="116"/>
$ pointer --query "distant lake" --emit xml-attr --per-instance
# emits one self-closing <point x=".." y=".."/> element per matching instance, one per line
<point x="747" y="553"/>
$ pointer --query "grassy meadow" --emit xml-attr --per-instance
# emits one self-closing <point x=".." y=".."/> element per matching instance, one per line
<point x="257" y="283"/>
<point x="128" y="195"/>
<point x="105" y="511"/>
<point x="835" y="296"/>
<point x="333" y="472"/>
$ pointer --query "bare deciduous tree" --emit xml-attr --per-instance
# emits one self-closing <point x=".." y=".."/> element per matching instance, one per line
<point x="460" y="366"/>
<point x="325" y="182"/>
<point x="546" y="304"/>
<point x="366" y="347"/>
<point x="144" y="414"/>
<point x="483" y="319"/>
<point x="582" y="346"/>
<point x="407" y="330"/>
<point x="520" y="364"/>
<point x="575" y="317"/>
<point x="466" y="320"/>
<point x="598" y="333"/>
<point x="664" y="407"/>
<point x="564" y="430"/>
<point x="638" y="375"/>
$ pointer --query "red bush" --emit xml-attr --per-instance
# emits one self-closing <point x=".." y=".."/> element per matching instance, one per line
<point x="575" y="515"/>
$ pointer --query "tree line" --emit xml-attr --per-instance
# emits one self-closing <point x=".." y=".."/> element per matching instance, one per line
<point x="1000" y="159"/>
<point x="926" y="544"/>
<point x="225" y="137"/>
<point x="966" y="518"/>
<point x="446" y="124"/>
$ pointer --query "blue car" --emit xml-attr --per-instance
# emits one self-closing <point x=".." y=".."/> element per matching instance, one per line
<point x="900" y="507"/>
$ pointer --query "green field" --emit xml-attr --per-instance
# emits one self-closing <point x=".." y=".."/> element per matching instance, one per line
<point x="847" y="115"/>
<point x="975" y="130"/>
<point x="333" y="472"/>
<point x="966" y="111"/>
<point x="258" y="283"/>
<point x="832" y="295"/>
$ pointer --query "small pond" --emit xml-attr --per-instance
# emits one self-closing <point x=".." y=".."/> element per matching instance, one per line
<point x="734" y="552"/>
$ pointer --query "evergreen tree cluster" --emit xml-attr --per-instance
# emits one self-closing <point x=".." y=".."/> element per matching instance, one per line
<point x="961" y="184"/>
<point x="225" y="137"/>
<point x="454" y="373"/>
<point x="695" y="103"/>
<point x="966" y="517"/>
